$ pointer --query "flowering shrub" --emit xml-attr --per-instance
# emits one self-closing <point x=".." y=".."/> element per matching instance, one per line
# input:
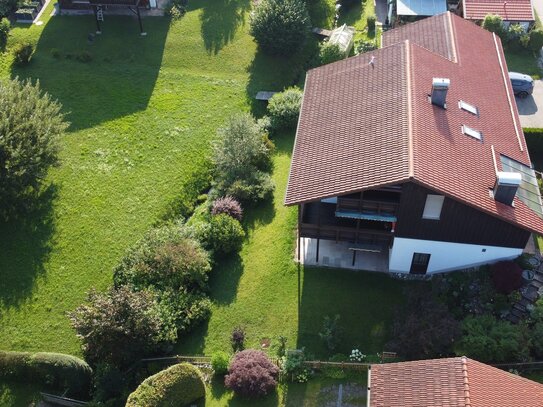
<point x="292" y="366"/>
<point x="356" y="356"/>
<point x="228" y="206"/>
<point x="252" y="374"/>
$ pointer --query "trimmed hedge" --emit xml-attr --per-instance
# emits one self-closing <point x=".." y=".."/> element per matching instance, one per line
<point x="178" y="385"/>
<point x="55" y="370"/>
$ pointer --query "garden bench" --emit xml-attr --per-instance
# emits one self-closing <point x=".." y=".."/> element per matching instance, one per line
<point x="388" y="355"/>
<point x="371" y="248"/>
<point x="264" y="95"/>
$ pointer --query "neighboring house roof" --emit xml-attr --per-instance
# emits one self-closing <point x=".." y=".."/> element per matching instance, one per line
<point x="508" y="10"/>
<point x="452" y="382"/>
<point x="365" y="125"/>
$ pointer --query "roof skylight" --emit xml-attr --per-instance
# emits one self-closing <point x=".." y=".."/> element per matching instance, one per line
<point x="468" y="108"/>
<point x="472" y="132"/>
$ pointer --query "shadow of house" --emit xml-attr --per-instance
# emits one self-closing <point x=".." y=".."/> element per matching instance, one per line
<point x="364" y="301"/>
<point x="220" y="20"/>
<point x="26" y="245"/>
<point x="120" y="76"/>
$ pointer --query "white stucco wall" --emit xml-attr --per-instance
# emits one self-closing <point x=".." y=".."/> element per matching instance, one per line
<point x="445" y="256"/>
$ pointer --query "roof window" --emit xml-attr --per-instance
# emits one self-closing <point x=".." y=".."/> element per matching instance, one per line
<point x="468" y="108"/>
<point x="472" y="133"/>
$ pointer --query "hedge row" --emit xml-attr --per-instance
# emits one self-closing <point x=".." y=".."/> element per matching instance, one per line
<point x="534" y="141"/>
<point x="53" y="370"/>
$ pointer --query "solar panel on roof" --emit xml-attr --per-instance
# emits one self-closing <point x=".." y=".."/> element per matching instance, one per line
<point x="528" y="191"/>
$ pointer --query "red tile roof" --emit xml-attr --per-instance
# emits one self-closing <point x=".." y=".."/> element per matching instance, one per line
<point x="363" y="126"/>
<point x="452" y="382"/>
<point x="509" y="10"/>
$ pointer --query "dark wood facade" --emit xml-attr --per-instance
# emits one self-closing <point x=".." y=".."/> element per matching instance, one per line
<point x="458" y="223"/>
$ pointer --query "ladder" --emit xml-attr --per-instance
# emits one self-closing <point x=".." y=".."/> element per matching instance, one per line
<point x="99" y="13"/>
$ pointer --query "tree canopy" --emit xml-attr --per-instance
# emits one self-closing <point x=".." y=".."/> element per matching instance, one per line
<point x="30" y="126"/>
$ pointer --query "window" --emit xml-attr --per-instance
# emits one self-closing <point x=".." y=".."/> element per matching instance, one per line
<point x="467" y="107"/>
<point x="432" y="208"/>
<point x="419" y="264"/>
<point x="472" y="133"/>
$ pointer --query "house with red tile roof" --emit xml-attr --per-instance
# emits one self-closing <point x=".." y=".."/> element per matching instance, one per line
<point x="411" y="158"/>
<point x="511" y="11"/>
<point x="451" y="382"/>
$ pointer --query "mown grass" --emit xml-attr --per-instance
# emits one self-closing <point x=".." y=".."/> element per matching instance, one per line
<point x="143" y="113"/>
<point x="318" y="391"/>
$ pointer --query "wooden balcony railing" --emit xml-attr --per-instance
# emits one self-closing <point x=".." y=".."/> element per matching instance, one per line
<point x="345" y="234"/>
<point x="367" y="206"/>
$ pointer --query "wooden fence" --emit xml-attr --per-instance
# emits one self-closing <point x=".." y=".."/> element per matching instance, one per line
<point x="195" y="360"/>
<point x="61" y="401"/>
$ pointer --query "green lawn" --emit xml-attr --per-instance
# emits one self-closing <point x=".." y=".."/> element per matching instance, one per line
<point x="318" y="391"/>
<point x="142" y="113"/>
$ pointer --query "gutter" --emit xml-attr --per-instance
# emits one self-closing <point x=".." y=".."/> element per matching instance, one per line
<point x="368" y="402"/>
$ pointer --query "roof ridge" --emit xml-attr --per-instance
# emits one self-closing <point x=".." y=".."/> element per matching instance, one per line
<point x="465" y="378"/>
<point x="411" y="160"/>
<point x="452" y="40"/>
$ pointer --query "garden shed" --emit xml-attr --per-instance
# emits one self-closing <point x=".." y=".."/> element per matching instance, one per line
<point x="344" y="37"/>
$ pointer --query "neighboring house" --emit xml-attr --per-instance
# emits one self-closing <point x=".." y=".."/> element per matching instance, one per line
<point x="511" y="11"/>
<point x="411" y="158"/>
<point x="452" y="382"/>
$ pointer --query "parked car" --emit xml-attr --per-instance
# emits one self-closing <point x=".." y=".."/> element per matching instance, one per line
<point x="523" y="85"/>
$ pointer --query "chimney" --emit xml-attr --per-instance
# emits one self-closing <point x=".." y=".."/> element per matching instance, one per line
<point x="440" y="86"/>
<point x="506" y="187"/>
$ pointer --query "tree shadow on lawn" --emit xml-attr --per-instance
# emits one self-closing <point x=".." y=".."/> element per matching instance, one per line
<point x="193" y="343"/>
<point x="274" y="73"/>
<point x="218" y="391"/>
<point x="118" y="81"/>
<point x="365" y="301"/>
<point x="25" y="245"/>
<point x="220" y="20"/>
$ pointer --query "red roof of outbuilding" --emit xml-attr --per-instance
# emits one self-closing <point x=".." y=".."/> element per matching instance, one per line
<point x="509" y="10"/>
<point x="452" y="382"/>
<point x="365" y="125"/>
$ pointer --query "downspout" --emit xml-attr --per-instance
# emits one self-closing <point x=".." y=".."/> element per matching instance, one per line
<point x="368" y="402"/>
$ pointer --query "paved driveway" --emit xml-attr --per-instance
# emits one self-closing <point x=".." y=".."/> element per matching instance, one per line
<point x="531" y="108"/>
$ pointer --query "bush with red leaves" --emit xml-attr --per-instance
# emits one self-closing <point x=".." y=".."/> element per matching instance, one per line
<point x="506" y="276"/>
<point x="229" y="206"/>
<point x="251" y="374"/>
